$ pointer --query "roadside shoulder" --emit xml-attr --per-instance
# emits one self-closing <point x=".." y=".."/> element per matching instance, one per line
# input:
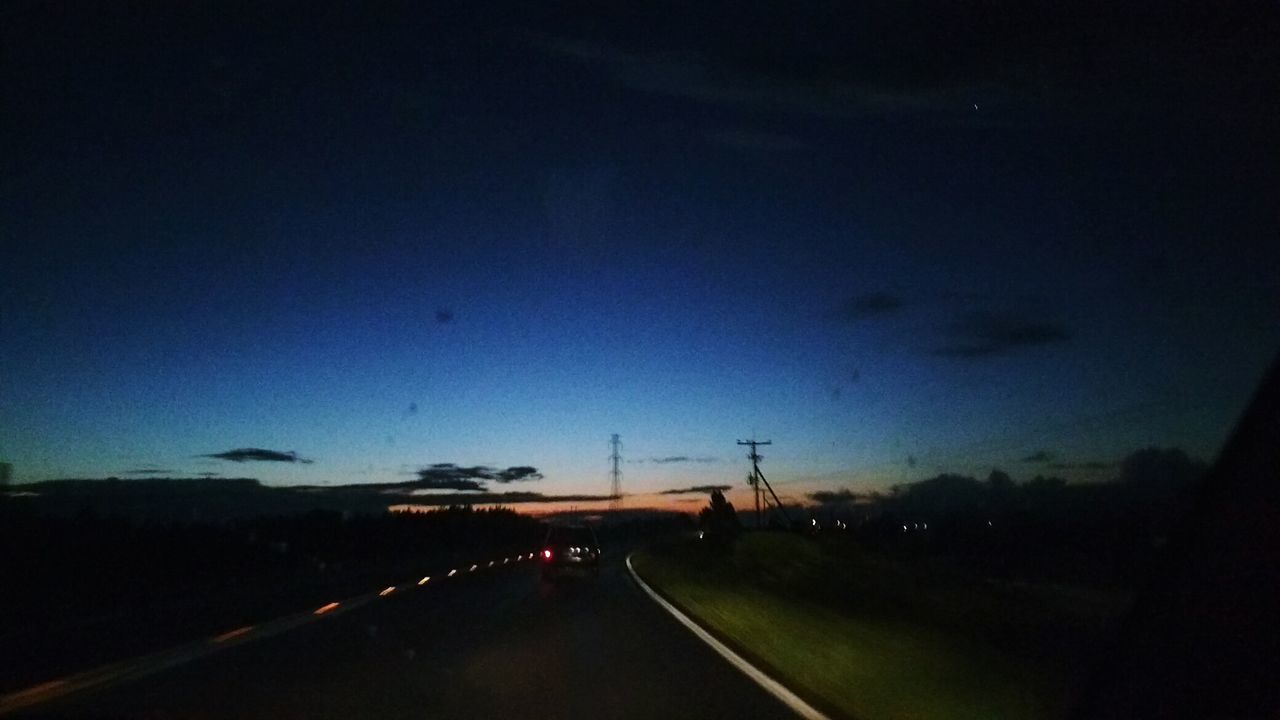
<point x="770" y="685"/>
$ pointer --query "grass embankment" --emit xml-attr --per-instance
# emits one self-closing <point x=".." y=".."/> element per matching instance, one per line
<point x="872" y="638"/>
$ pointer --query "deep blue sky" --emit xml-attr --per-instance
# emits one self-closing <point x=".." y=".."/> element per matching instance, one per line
<point x="895" y="242"/>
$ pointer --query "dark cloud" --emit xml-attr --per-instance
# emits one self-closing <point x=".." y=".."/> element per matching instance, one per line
<point x="682" y="459"/>
<point x="911" y="461"/>
<point x="435" y="483"/>
<point x="516" y="474"/>
<point x="258" y="455"/>
<point x="843" y="496"/>
<point x="448" y="476"/>
<point x="869" y="305"/>
<point x="1039" y="456"/>
<point x="507" y="498"/>
<point x="148" y="471"/>
<point x="412" y="409"/>
<point x="444" y="315"/>
<point x="701" y="489"/>
<point x="533" y="497"/>
<point x="209" y="474"/>
<point x="989" y="334"/>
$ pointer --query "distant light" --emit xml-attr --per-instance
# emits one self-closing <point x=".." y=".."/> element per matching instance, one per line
<point x="926" y="526"/>
<point x="700" y="534"/>
<point x="904" y="528"/>
<point x="473" y="568"/>
<point x="506" y="560"/>
<point x="387" y="591"/>
<point x="988" y="523"/>
<point x="424" y="580"/>
<point x="813" y="521"/>
<point x="326" y="608"/>
<point x="547" y="553"/>
<point x="490" y="563"/>
<point x="453" y="572"/>
<point x="531" y="555"/>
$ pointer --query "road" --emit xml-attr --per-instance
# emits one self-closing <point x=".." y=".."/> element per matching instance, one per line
<point x="494" y="643"/>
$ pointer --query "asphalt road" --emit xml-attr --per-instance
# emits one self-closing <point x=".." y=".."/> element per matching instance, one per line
<point x="496" y="643"/>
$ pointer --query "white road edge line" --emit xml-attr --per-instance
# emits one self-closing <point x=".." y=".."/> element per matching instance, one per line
<point x="773" y="687"/>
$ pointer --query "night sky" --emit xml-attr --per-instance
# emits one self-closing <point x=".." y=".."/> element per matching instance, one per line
<point x="895" y="240"/>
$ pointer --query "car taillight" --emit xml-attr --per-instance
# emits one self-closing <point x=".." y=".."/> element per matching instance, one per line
<point x="546" y="554"/>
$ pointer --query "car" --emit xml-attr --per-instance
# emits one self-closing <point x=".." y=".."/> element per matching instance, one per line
<point x="570" y="550"/>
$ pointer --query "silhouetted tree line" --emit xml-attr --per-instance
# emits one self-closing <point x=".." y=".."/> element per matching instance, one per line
<point x="1044" y="528"/>
<point x="67" y="558"/>
<point x="190" y="499"/>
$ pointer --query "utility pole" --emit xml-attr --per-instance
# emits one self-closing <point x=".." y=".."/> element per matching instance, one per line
<point x="759" y="477"/>
<point x="755" y="457"/>
<point x="755" y="490"/>
<point x="615" y="487"/>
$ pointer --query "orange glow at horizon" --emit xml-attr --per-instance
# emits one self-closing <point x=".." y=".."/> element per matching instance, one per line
<point x="687" y="503"/>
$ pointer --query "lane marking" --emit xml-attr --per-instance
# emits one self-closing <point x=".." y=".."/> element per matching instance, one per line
<point x="773" y="687"/>
<point x="387" y="591"/>
<point x="232" y="634"/>
<point x="32" y="694"/>
<point x="326" y="608"/>
<point x="424" y="580"/>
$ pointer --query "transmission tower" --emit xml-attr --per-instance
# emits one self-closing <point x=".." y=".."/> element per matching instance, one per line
<point x="615" y="486"/>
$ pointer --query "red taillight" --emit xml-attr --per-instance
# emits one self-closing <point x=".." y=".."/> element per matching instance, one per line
<point x="546" y="554"/>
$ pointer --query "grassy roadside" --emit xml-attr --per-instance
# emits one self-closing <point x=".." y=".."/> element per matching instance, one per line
<point x="870" y="639"/>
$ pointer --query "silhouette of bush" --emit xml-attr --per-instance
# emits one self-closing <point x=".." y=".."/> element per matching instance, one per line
<point x="719" y="521"/>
